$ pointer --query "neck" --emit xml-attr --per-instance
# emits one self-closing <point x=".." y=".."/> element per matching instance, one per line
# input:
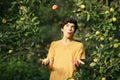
<point x="66" y="40"/>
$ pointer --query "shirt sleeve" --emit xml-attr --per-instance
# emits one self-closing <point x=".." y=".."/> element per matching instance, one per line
<point x="50" y="55"/>
<point x="80" y="53"/>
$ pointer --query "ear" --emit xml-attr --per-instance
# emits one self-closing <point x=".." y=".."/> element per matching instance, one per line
<point x="62" y="29"/>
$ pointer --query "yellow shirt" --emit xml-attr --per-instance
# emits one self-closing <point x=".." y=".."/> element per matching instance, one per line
<point x="62" y="57"/>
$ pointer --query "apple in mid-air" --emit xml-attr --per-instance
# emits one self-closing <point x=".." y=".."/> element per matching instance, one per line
<point x="55" y="7"/>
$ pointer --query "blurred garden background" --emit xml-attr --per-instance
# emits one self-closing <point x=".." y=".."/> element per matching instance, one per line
<point x="27" y="27"/>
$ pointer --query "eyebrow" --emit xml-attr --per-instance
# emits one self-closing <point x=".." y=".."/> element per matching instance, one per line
<point x="71" y="24"/>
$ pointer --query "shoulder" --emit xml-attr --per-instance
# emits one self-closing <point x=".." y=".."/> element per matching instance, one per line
<point x="79" y="44"/>
<point x="54" y="43"/>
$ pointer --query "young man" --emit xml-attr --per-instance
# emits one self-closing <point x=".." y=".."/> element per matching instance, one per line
<point x="65" y="55"/>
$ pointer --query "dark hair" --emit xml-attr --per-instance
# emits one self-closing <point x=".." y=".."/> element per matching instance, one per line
<point x="69" y="20"/>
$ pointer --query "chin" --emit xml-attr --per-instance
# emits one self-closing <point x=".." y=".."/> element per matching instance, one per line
<point x="69" y="37"/>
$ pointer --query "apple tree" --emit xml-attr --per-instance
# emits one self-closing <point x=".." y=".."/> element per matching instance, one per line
<point x="99" y="29"/>
<point x="26" y="29"/>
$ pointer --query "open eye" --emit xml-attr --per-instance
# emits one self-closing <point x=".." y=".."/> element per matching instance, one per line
<point x="67" y="25"/>
<point x="70" y="25"/>
<point x="73" y="26"/>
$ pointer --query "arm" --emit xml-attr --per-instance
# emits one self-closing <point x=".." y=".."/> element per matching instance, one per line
<point x="50" y="57"/>
<point x="80" y="54"/>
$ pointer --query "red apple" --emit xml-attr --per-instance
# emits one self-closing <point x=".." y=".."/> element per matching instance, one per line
<point x="55" y="7"/>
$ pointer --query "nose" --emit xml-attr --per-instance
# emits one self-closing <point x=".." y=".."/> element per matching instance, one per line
<point x="70" y="28"/>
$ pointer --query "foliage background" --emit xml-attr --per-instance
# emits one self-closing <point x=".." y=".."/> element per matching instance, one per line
<point x="27" y="27"/>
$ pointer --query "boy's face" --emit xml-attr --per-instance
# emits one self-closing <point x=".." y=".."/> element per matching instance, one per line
<point x="68" y="30"/>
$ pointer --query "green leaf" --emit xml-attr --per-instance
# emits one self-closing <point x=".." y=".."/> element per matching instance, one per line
<point x="34" y="18"/>
<point x="88" y="17"/>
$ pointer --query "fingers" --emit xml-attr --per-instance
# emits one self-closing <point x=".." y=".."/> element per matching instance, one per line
<point x="76" y="63"/>
<point x="81" y="62"/>
<point x="40" y="60"/>
<point x="45" y="61"/>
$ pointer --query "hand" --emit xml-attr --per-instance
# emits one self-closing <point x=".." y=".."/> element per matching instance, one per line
<point x="78" y="62"/>
<point x="45" y="61"/>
